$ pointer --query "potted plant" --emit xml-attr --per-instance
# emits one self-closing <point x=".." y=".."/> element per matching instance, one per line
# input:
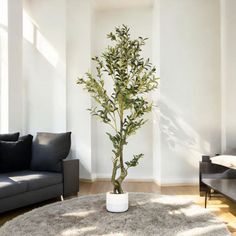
<point x="123" y="109"/>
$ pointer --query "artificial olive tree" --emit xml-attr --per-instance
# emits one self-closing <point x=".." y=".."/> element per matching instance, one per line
<point x="124" y="108"/>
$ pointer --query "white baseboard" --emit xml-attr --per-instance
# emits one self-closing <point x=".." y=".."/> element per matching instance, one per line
<point x="101" y="176"/>
<point x="107" y="177"/>
<point x="164" y="182"/>
<point x="177" y="182"/>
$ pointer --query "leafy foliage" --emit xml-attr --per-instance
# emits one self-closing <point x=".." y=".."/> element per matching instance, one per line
<point x="124" y="108"/>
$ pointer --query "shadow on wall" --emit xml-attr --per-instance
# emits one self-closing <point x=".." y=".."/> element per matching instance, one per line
<point x="178" y="136"/>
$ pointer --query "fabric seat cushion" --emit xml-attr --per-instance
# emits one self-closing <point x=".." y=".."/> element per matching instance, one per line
<point x="9" y="187"/>
<point x="36" y="179"/>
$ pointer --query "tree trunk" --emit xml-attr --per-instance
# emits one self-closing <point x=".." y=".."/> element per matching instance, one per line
<point x="117" y="182"/>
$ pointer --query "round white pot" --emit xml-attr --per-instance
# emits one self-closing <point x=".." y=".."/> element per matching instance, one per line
<point x="117" y="202"/>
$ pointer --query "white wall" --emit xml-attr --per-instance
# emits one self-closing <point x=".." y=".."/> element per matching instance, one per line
<point x="3" y="66"/>
<point x="11" y="86"/>
<point x="44" y="69"/>
<point x="78" y="100"/>
<point x="190" y="86"/>
<point x="15" y="82"/>
<point x="184" y="40"/>
<point x="228" y="63"/>
<point x="156" y="94"/>
<point x="139" y="19"/>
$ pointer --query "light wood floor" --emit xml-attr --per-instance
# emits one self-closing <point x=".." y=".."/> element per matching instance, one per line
<point x="220" y="206"/>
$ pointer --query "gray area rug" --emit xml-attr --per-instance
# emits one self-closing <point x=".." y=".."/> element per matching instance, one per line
<point x="149" y="214"/>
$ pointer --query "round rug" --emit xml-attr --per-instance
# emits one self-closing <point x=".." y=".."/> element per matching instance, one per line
<point x="148" y="214"/>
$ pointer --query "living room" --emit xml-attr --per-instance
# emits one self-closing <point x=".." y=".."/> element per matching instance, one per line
<point x="117" y="125"/>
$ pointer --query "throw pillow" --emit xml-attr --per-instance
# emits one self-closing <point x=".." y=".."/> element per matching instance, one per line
<point x="225" y="160"/>
<point x="49" y="149"/>
<point x="15" y="156"/>
<point x="9" y="137"/>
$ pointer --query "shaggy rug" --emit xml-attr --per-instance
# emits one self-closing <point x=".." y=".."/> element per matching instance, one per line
<point x="148" y="214"/>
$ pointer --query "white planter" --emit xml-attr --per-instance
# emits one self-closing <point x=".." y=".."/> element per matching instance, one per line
<point x="117" y="202"/>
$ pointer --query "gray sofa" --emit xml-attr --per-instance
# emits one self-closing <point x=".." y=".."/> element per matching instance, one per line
<point x="24" y="187"/>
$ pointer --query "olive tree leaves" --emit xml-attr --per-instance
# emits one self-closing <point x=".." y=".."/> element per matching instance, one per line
<point x="124" y="108"/>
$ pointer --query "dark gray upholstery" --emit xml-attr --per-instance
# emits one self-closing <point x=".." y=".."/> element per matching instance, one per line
<point x="50" y="174"/>
<point x="9" y="137"/>
<point x="35" y="179"/>
<point x="18" y="189"/>
<point x="27" y="198"/>
<point x="71" y="176"/>
<point x="48" y="151"/>
<point x="9" y="187"/>
<point x="15" y="156"/>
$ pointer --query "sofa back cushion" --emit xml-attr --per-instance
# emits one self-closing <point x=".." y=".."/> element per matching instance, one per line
<point x="15" y="156"/>
<point x="9" y="137"/>
<point x="49" y="149"/>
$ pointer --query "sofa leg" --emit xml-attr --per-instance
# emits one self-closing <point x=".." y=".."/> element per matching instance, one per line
<point x="62" y="198"/>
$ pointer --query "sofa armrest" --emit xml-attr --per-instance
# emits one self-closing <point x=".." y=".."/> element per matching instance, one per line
<point x="70" y="176"/>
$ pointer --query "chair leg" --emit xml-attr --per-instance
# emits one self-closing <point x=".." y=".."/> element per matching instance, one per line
<point x="209" y="194"/>
<point x="206" y="193"/>
<point x="62" y="198"/>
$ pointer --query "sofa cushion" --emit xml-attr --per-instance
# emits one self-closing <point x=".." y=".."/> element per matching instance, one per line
<point x="9" y="187"/>
<point x="9" y="137"/>
<point x="35" y="179"/>
<point x="15" y="156"/>
<point x="49" y="149"/>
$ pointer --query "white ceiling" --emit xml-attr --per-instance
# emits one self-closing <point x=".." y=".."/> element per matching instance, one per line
<point x="120" y="4"/>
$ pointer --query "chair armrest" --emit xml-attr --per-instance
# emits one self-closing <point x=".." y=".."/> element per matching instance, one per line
<point x="70" y="169"/>
<point x="207" y="167"/>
